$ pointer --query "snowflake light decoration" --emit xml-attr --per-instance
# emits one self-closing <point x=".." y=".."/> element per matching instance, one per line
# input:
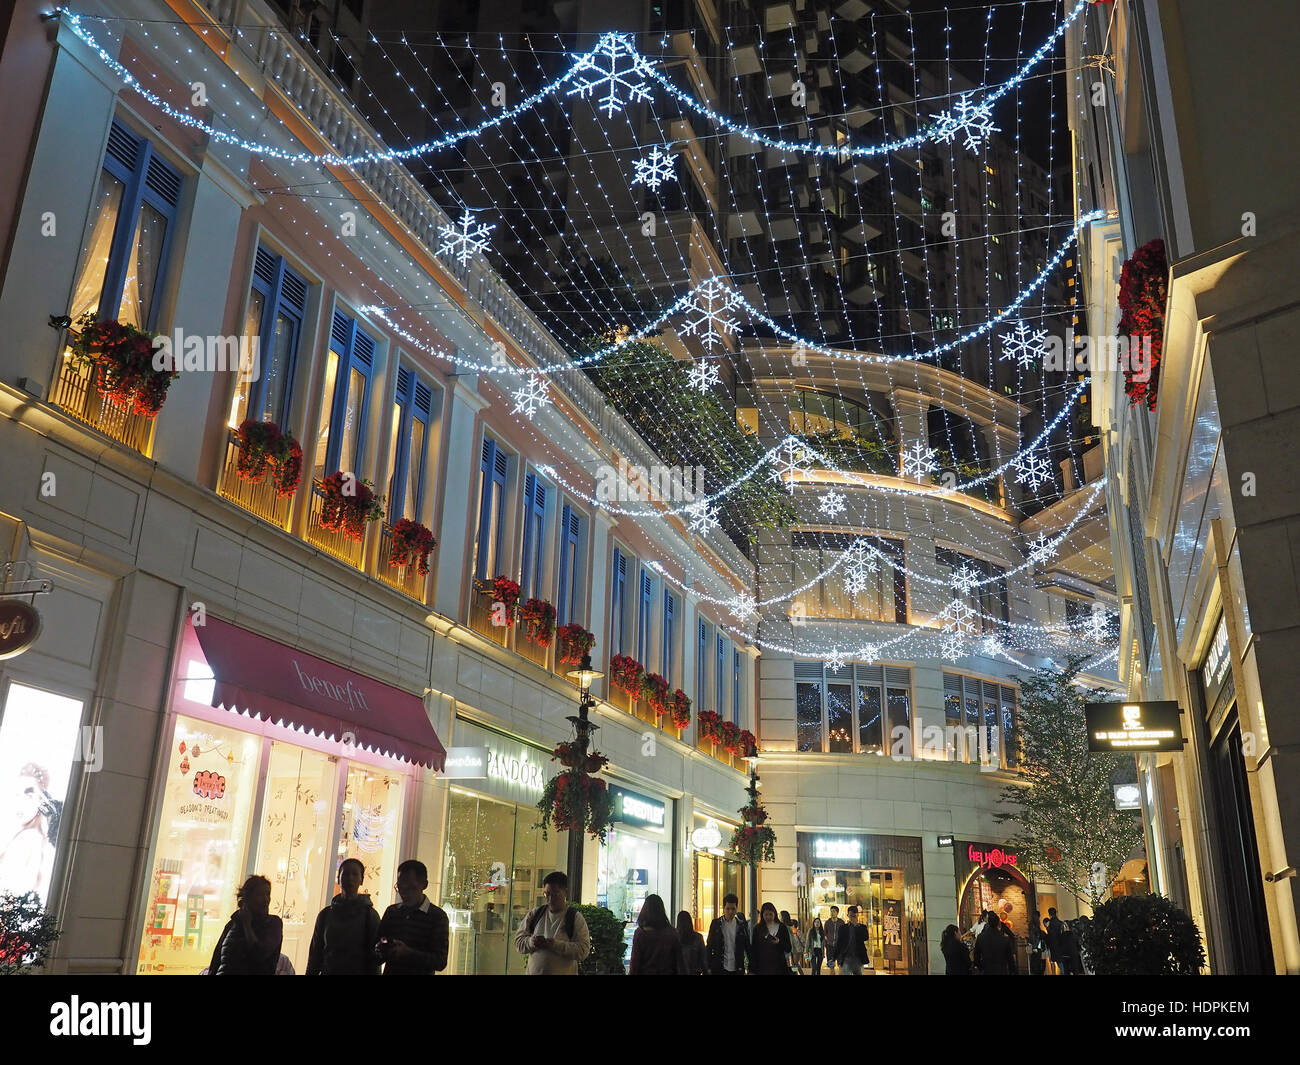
<point x="465" y="239"/>
<point x="960" y="615"/>
<point x="836" y="661"/>
<point x="972" y="121"/>
<point x="617" y="69"/>
<point x="655" y="169"/>
<point x="859" y="565"/>
<point x="1024" y="344"/>
<point x="1095" y="629"/>
<point x="710" y="312"/>
<point x="743" y="606"/>
<point x="832" y="503"/>
<point x="991" y="646"/>
<point x="702" y="518"/>
<point x="534" y="395"/>
<point x="869" y="652"/>
<point x="918" y="460"/>
<point x="703" y="375"/>
<point x="1033" y="470"/>
<point x="964" y="580"/>
<point x="951" y="647"/>
<point x="789" y="462"/>
<point x="1040" y="549"/>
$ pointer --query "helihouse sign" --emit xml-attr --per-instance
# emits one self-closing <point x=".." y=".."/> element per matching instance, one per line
<point x="1133" y="726"/>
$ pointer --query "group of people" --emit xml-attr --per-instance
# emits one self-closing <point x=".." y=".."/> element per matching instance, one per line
<point x="773" y="946"/>
<point x="1052" y="946"/>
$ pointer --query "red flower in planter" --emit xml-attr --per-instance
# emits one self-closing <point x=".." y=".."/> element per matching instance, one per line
<point x="349" y="504"/>
<point x="681" y="708"/>
<point x="1143" y="293"/>
<point x="264" y="447"/>
<point x="128" y="377"/>
<point x="655" y="689"/>
<point x="748" y="744"/>
<point x="412" y="540"/>
<point x="539" y="615"/>
<point x="710" y="725"/>
<point x="731" y="737"/>
<point x="574" y="642"/>
<point x="626" y="674"/>
<point x="506" y="592"/>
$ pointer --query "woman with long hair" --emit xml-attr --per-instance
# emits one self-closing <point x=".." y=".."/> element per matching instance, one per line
<point x="656" y="950"/>
<point x="250" y="942"/>
<point x="816" y="945"/>
<point x="695" y="955"/>
<point x="770" y="949"/>
<point x="955" y="955"/>
<point x="27" y="855"/>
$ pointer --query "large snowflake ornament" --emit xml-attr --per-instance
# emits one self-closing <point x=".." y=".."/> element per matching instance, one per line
<point x="972" y="121"/>
<point x="836" y="661"/>
<point x="960" y="616"/>
<point x="1028" y="346"/>
<point x="655" y="169"/>
<point x="703" y="375"/>
<point x="991" y="646"/>
<point x="918" y="460"/>
<point x="869" y="652"/>
<point x="702" y="517"/>
<point x="534" y="395"/>
<point x="465" y="239"/>
<point x="710" y="312"/>
<point x="1032" y="469"/>
<point x="1097" y="628"/>
<point x="789" y="462"/>
<point x="1040" y="549"/>
<point x="859" y="564"/>
<point x="743" y="606"/>
<point x="617" y="70"/>
<point x="964" y="579"/>
<point x="951" y="646"/>
<point x="831" y="503"/>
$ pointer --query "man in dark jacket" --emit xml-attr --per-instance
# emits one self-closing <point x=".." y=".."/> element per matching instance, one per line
<point x="343" y="943"/>
<point x="994" y="950"/>
<point x="728" y="942"/>
<point x="854" y="949"/>
<point x="834" y="928"/>
<point x="1054" y="927"/>
<point x="413" y="934"/>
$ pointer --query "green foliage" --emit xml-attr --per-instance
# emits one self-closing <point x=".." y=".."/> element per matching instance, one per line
<point x="1064" y="805"/>
<point x="689" y="428"/>
<point x="607" y="944"/>
<point x="855" y="453"/>
<point x="1142" y="935"/>
<point x="27" y="933"/>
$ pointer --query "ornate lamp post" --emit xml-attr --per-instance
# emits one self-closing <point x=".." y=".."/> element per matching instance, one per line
<point x="752" y="791"/>
<point x="582" y="728"/>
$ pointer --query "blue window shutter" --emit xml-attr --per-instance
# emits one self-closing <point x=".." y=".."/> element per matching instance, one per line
<point x="644" y="610"/>
<point x="618" y="602"/>
<point x="701" y="665"/>
<point x="284" y="295"/>
<point x="565" y="609"/>
<point x="735" y="682"/>
<point x="719" y="679"/>
<point x="492" y="461"/>
<point x="670" y="627"/>
<point x="530" y="577"/>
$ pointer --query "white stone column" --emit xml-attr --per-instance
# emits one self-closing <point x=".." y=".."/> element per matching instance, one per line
<point x="456" y="526"/>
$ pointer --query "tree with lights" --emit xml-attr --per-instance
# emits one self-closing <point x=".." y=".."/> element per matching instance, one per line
<point x="1064" y="800"/>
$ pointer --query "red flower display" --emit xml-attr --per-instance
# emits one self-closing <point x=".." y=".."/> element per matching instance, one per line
<point x="127" y="377"/>
<point x="748" y="744"/>
<point x="754" y="841"/>
<point x="681" y="708"/>
<point x="539" y="616"/>
<point x="262" y="448"/>
<point x="506" y="592"/>
<point x="626" y="674"/>
<point x="731" y="740"/>
<point x="349" y="504"/>
<point x="655" y="689"/>
<point x="1143" y="293"/>
<point x="411" y="540"/>
<point x="710" y="725"/>
<point x="567" y="755"/>
<point x="574" y="642"/>
<point x="575" y="798"/>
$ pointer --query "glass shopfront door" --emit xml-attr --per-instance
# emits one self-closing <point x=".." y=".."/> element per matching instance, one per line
<point x="868" y="890"/>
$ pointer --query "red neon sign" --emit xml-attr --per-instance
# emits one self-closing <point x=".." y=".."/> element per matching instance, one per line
<point x="991" y="859"/>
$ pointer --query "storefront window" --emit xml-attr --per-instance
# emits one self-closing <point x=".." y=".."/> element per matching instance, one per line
<point x="370" y="825"/>
<point x="202" y="841"/>
<point x="632" y="866"/>
<point x="715" y="879"/>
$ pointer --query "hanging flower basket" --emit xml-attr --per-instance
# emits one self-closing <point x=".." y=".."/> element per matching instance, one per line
<point x="567" y="754"/>
<point x="263" y="449"/>
<point x="731" y="740"/>
<point x="349" y="511"/>
<point x="680" y="708"/>
<point x="626" y="674"/>
<point x="574" y="642"/>
<point x="128" y="377"/>
<point x="571" y="799"/>
<point x="412" y="541"/>
<point x="655" y="690"/>
<point x="539" y="616"/>
<point x="1143" y="293"/>
<point x="710" y="726"/>
<point x="754" y="841"/>
<point x="506" y="592"/>
<point x="748" y="744"/>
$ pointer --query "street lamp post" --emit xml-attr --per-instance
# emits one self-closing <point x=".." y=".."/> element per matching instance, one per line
<point x="583" y="728"/>
<point x="752" y="790"/>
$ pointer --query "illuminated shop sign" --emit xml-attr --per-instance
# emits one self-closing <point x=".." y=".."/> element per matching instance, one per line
<point x="634" y="809"/>
<point x="992" y="858"/>
<point x="707" y="838"/>
<point x="1128" y="797"/>
<point x="466" y="763"/>
<point x="511" y="769"/>
<point x="945" y="841"/>
<point x="20" y="625"/>
<point x="1133" y="726"/>
<point x="838" y="849"/>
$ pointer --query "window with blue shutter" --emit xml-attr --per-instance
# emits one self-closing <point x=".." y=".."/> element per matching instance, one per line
<point x="618" y="605"/>
<point x="701" y="664"/>
<point x="491" y="510"/>
<point x="735" y="686"/>
<point x="277" y="301"/>
<point x="643" y="619"/>
<point x="342" y="432"/>
<point x="670" y="634"/>
<point x="569" y="608"/>
<point x="412" y="411"/>
<point x="720" y="675"/>
<point x="530" y="576"/>
<point x="132" y="223"/>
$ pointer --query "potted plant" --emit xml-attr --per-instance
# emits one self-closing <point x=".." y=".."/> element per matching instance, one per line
<point x="567" y="754"/>
<point x="264" y="448"/>
<point x="349" y="505"/>
<point x="754" y="841"/>
<point x="574" y="643"/>
<point x="27" y="933"/>
<point x="128" y="374"/>
<point x="607" y="942"/>
<point x="411" y="541"/>
<point x="748" y="744"/>
<point x="539" y="616"/>
<point x="680" y="708"/>
<point x="1142" y="935"/>
<point x="1143" y="292"/>
<point x="574" y="798"/>
<point x="710" y="726"/>
<point x="506" y="592"/>
<point x="731" y="740"/>
<point x="626" y="674"/>
<point x="655" y="690"/>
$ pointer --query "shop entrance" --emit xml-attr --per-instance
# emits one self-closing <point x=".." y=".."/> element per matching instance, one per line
<point x="870" y="890"/>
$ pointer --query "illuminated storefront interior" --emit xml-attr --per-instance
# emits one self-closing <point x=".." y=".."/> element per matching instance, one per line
<point x="636" y="858"/>
<point x="714" y="875"/>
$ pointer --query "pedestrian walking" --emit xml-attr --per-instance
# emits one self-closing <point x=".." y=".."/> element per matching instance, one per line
<point x="413" y="933"/>
<point x="834" y="929"/>
<point x="1054" y="927"/>
<point x="1036" y="945"/>
<point x="728" y="942"/>
<point x="798" y="947"/>
<point x="656" y="949"/>
<point x="994" y="952"/>
<point x="555" y="936"/>
<point x="770" y="950"/>
<point x="343" y="942"/>
<point x="1069" y="950"/>
<point x="955" y="955"/>
<point x="250" y="943"/>
<point x="854" y="949"/>
<point x="695" y="955"/>
<point x="816" y="945"/>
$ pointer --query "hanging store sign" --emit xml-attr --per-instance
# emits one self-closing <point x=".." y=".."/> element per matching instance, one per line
<point x="634" y="809"/>
<point x="945" y="841"/>
<point x="1132" y="727"/>
<point x="707" y="838"/>
<point x="20" y="625"/>
<point x="466" y="763"/>
<point x="1128" y="797"/>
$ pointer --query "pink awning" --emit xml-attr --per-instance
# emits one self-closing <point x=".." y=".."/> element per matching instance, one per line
<point x="275" y="682"/>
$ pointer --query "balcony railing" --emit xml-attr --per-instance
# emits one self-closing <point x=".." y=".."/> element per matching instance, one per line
<point x="480" y="614"/>
<point x="336" y="543"/>
<point x="76" y="395"/>
<point x="525" y="648"/>
<point x="260" y="499"/>
<point x="406" y="578"/>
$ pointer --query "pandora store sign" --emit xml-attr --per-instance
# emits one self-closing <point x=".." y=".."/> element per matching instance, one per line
<point x="497" y="764"/>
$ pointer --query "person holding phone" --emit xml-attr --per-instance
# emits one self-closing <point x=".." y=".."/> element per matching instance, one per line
<point x="414" y="934"/>
<point x="770" y="949"/>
